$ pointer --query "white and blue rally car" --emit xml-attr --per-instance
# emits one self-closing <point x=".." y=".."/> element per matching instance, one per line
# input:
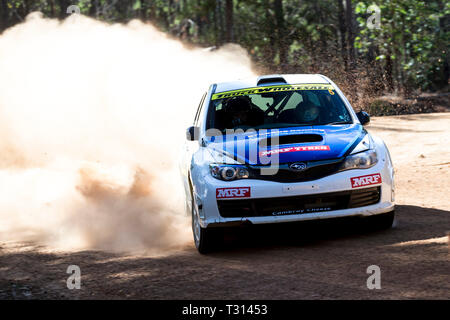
<point x="282" y="148"/>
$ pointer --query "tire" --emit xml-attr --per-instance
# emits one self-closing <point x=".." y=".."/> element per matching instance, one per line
<point x="383" y="221"/>
<point x="205" y="240"/>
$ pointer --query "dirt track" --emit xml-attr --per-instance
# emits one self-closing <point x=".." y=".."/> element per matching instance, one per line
<point x="326" y="261"/>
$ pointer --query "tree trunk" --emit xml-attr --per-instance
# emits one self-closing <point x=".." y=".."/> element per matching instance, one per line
<point x="229" y="35"/>
<point x="270" y="49"/>
<point x="199" y="20"/>
<point x="93" y="9"/>
<point x="52" y="9"/>
<point x="445" y="28"/>
<point x="342" y="28"/>
<point x="63" y="5"/>
<point x="389" y="73"/>
<point x="350" y="32"/>
<point x="281" y="32"/>
<point x="221" y="27"/>
<point x="215" y="25"/>
<point x="4" y="23"/>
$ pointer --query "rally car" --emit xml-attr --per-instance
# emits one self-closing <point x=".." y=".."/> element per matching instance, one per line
<point x="282" y="148"/>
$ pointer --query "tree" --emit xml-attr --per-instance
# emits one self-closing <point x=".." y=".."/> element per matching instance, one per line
<point x="229" y="36"/>
<point x="350" y="32"/>
<point x="411" y="42"/>
<point x="408" y="51"/>
<point x="280" y="32"/>
<point x="343" y="32"/>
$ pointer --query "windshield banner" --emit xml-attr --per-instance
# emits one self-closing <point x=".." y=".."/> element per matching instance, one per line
<point x="279" y="88"/>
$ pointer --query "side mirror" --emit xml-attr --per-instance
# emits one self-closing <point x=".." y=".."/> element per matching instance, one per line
<point x="363" y="117"/>
<point x="192" y="133"/>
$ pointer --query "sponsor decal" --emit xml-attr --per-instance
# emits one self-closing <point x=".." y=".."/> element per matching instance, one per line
<point x="366" y="180"/>
<point x="240" y="192"/>
<point x="256" y="90"/>
<point x="294" y="149"/>
<point x="300" y="211"/>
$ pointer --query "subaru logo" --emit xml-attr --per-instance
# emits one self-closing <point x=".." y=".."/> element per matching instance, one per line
<point x="298" y="166"/>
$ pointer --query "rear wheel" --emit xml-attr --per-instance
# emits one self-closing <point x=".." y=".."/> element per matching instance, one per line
<point x="205" y="239"/>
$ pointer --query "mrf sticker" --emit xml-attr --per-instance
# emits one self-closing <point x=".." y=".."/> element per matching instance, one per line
<point x="294" y="149"/>
<point x="367" y="180"/>
<point x="225" y="193"/>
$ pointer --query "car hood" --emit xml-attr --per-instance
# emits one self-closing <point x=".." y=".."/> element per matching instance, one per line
<point x="295" y="144"/>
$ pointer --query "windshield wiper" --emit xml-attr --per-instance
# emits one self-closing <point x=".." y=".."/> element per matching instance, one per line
<point x="337" y="122"/>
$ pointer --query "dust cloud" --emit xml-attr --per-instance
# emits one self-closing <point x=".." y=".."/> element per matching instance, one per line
<point x="92" y="120"/>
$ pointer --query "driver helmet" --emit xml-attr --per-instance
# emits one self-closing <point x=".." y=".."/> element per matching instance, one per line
<point x="309" y="112"/>
<point x="238" y="108"/>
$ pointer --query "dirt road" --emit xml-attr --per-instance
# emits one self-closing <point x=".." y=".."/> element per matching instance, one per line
<point x="326" y="261"/>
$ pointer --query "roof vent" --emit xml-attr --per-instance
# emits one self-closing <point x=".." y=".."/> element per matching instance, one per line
<point x="270" y="79"/>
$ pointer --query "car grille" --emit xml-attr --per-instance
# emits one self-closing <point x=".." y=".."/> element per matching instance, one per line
<point x="315" y="170"/>
<point x="299" y="204"/>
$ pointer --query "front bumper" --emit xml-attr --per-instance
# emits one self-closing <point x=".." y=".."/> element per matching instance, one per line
<point x="205" y="196"/>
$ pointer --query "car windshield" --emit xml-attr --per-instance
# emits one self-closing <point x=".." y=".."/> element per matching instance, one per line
<point x="277" y="107"/>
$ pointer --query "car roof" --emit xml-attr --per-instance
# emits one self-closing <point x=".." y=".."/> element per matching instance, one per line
<point x="272" y="79"/>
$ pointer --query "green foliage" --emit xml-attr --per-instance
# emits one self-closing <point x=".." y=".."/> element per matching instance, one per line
<point x="410" y="49"/>
<point x="413" y="35"/>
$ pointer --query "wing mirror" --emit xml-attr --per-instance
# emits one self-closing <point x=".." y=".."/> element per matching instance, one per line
<point x="363" y="117"/>
<point x="192" y="133"/>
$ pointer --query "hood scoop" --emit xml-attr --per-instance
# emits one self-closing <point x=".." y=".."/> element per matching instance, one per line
<point x="291" y="139"/>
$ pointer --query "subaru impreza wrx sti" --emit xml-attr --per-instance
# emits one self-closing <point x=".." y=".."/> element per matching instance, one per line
<point x="282" y="148"/>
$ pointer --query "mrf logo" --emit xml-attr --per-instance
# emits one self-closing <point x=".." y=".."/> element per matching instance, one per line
<point x="294" y="149"/>
<point x="232" y="192"/>
<point x="366" y="180"/>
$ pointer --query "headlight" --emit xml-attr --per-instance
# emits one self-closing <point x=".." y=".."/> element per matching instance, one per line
<point x="228" y="172"/>
<point x="365" y="144"/>
<point x="362" y="160"/>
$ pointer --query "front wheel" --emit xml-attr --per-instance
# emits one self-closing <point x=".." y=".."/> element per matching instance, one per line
<point x="383" y="221"/>
<point x="205" y="239"/>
